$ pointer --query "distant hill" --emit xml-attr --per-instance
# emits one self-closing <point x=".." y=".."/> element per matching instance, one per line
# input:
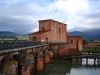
<point x="4" y="33"/>
<point x="11" y="35"/>
<point x="7" y="35"/>
<point x="86" y="35"/>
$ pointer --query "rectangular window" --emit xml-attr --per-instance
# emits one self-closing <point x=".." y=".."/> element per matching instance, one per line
<point x="72" y="41"/>
<point x="59" y="30"/>
<point x="34" y="38"/>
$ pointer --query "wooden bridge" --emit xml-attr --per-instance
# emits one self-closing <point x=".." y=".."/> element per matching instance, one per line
<point x="85" y="55"/>
<point x="79" y="57"/>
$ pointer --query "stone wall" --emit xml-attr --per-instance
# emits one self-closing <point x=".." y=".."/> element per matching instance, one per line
<point x="11" y="67"/>
<point x="75" y="42"/>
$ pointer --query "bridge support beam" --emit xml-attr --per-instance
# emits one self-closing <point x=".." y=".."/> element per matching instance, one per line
<point x="86" y="61"/>
<point x="98" y="60"/>
<point x="27" y="69"/>
<point x="47" y="58"/>
<point x="94" y="61"/>
<point x="51" y="54"/>
<point x="11" y="67"/>
<point x="40" y="63"/>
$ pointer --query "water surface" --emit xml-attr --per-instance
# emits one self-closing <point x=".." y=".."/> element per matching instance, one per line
<point x="69" y="68"/>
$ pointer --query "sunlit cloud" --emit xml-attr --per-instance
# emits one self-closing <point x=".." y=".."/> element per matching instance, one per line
<point x="24" y="14"/>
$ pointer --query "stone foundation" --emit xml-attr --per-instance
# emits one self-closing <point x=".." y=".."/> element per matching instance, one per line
<point x="40" y="63"/>
<point x="11" y="67"/>
<point x="47" y="58"/>
<point x="51" y="54"/>
<point x="27" y="70"/>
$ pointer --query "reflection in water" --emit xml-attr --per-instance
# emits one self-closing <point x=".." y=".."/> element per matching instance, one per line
<point x="84" y="71"/>
<point x="68" y="68"/>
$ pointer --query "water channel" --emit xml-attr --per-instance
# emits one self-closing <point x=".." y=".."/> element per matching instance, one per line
<point x="63" y="67"/>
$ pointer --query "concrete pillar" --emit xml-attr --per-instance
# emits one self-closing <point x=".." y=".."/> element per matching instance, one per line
<point x="40" y="63"/>
<point x="11" y="67"/>
<point x="27" y="69"/>
<point x="51" y="54"/>
<point x="47" y="58"/>
<point x="98" y="60"/>
<point x="94" y="61"/>
<point x="86" y="61"/>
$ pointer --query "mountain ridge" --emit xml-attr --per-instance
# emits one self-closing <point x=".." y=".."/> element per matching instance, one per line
<point x="12" y="35"/>
<point x="86" y="35"/>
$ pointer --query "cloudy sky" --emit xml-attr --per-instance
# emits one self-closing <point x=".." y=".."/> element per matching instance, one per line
<point x="21" y="16"/>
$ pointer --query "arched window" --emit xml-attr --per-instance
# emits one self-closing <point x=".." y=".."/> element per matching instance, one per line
<point x="46" y="39"/>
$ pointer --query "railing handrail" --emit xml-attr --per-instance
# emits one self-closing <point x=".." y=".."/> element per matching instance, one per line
<point x="85" y="55"/>
<point x="11" y="44"/>
<point x="4" y="45"/>
<point x="20" y="49"/>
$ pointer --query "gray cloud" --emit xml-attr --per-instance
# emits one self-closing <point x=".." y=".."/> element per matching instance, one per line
<point x="17" y="17"/>
<point x="19" y="24"/>
<point x="93" y="19"/>
<point x="22" y="16"/>
<point x="94" y="15"/>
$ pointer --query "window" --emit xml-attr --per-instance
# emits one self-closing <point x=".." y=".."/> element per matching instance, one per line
<point x="46" y="39"/>
<point x="72" y="41"/>
<point x="34" y="38"/>
<point x="59" y="30"/>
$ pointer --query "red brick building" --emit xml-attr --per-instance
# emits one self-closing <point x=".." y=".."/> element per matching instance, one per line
<point x="54" y="31"/>
<point x="75" y="43"/>
<point x="49" y="31"/>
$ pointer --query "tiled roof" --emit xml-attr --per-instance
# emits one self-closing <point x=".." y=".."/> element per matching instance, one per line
<point x="39" y="32"/>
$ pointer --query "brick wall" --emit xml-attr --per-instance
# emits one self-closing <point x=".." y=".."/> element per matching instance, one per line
<point x="75" y="43"/>
<point x="57" y="31"/>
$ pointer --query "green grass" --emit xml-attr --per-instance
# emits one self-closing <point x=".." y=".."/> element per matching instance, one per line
<point x="22" y="37"/>
<point x="91" y="49"/>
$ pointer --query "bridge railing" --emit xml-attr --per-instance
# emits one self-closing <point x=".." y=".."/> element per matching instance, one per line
<point x="11" y="44"/>
<point x="20" y="45"/>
